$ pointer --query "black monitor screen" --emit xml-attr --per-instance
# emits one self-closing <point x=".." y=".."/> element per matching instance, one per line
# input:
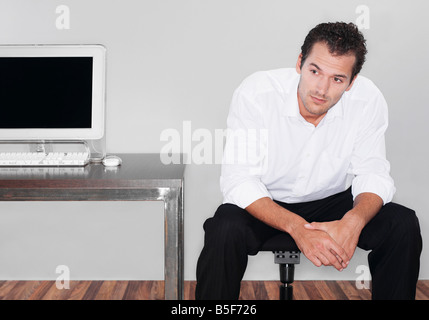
<point x="45" y="92"/>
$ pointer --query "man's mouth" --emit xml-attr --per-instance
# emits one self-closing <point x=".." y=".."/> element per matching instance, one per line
<point x="318" y="100"/>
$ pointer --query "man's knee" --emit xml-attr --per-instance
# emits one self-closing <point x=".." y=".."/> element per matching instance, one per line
<point x="228" y="221"/>
<point x="404" y="221"/>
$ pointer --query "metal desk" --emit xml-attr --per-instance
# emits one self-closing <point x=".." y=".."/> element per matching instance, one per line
<point x="141" y="177"/>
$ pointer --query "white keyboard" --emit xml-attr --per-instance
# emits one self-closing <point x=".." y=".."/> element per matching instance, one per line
<point x="37" y="159"/>
<point x="43" y="172"/>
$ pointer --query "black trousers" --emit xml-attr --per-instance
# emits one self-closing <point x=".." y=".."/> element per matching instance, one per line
<point x="393" y="236"/>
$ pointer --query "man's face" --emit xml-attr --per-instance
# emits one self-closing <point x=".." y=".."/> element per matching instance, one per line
<point x="324" y="79"/>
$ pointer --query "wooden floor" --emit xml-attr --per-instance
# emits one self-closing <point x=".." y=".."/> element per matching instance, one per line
<point x="154" y="290"/>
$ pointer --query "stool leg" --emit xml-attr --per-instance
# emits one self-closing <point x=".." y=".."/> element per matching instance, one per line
<point x="286" y="291"/>
<point x="287" y="272"/>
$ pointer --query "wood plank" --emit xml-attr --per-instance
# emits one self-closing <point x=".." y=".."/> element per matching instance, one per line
<point x="112" y="290"/>
<point x="32" y="288"/>
<point x="40" y="290"/>
<point x="6" y="288"/>
<point x="79" y="289"/>
<point x="133" y="291"/>
<point x="157" y="292"/>
<point x="311" y="290"/>
<point x="350" y="290"/>
<point x="92" y="290"/>
<point x="299" y="292"/>
<point x="53" y="293"/>
<point x="246" y="291"/>
<point x="154" y="290"/>
<point x="337" y="292"/>
<point x="364" y="293"/>
<point x="17" y="291"/>
<point x="189" y="290"/>
<point x="272" y="289"/>
<point x="323" y="290"/>
<point x="420" y="294"/>
<point x="423" y="289"/>
<point x="106" y="291"/>
<point x="260" y="291"/>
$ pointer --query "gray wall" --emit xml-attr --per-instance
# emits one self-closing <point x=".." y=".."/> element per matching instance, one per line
<point x="171" y="61"/>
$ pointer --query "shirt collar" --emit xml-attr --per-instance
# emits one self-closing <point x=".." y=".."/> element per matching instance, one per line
<point x="337" y="110"/>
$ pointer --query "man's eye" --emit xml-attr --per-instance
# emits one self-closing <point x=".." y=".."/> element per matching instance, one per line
<point x="338" y="80"/>
<point x="313" y="71"/>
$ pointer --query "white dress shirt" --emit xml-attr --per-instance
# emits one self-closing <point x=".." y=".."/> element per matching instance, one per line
<point x="272" y="151"/>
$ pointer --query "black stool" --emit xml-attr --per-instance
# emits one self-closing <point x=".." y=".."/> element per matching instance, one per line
<point x="286" y="255"/>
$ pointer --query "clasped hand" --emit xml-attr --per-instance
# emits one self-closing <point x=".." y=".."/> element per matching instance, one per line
<point x="329" y="243"/>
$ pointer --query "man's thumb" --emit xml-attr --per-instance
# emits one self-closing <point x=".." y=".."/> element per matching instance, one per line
<point x="314" y="226"/>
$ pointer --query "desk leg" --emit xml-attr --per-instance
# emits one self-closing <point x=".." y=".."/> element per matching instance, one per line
<point x="174" y="244"/>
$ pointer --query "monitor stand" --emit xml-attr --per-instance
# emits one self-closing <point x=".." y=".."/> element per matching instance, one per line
<point x="40" y="147"/>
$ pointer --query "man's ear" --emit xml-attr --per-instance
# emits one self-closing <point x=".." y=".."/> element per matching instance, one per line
<point x="298" y="64"/>
<point x="351" y="83"/>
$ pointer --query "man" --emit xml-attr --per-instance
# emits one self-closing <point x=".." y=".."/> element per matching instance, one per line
<point x="321" y="174"/>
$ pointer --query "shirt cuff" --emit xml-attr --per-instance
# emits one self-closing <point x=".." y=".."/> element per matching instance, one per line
<point x="246" y="193"/>
<point x="381" y="186"/>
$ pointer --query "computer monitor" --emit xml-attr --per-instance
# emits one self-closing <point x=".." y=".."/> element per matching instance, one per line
<point x="52" y="92"/>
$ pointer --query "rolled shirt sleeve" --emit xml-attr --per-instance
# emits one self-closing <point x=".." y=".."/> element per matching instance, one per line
<point x="245" y="155"/>
<point x="368" y="163"/>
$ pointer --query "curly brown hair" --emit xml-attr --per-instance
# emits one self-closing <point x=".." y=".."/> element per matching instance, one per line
<point x="341" y="38"/>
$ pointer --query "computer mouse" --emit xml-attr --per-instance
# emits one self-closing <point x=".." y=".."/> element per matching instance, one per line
<point x="111" y="161"/>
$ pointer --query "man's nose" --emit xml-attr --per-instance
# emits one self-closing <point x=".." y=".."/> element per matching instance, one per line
<point x="323" y="86"/>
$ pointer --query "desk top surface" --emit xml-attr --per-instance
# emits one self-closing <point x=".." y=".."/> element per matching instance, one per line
<point x="136" y="170"/>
